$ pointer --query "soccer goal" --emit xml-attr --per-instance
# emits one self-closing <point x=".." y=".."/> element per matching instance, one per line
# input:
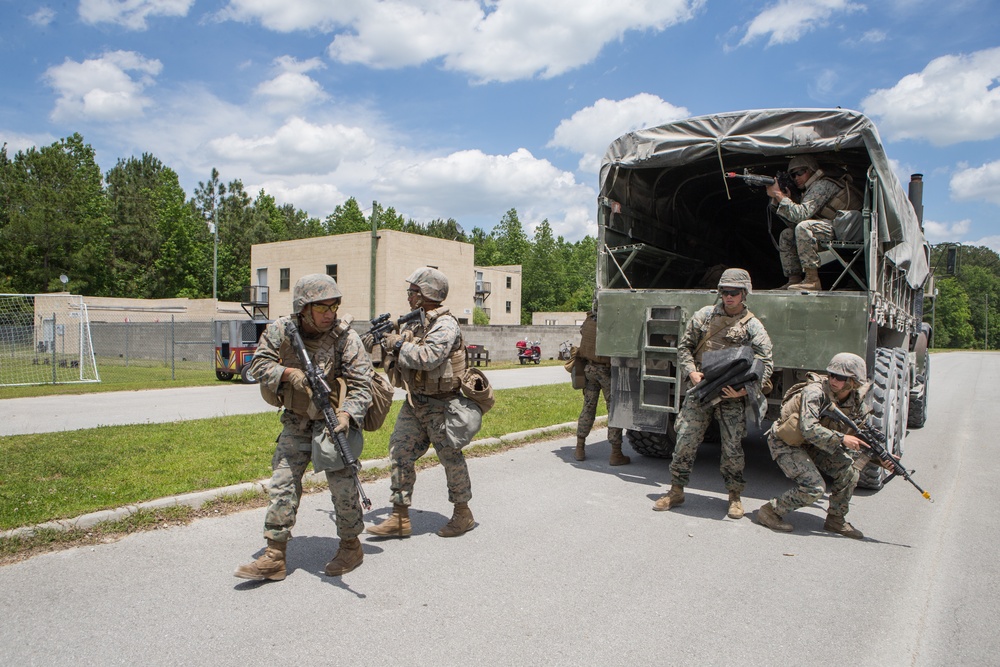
<point x="45" y="339"/>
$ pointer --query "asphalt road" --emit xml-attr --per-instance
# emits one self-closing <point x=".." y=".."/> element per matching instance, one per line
<point x="49" y="414"/>
<point x="569" y="566"/>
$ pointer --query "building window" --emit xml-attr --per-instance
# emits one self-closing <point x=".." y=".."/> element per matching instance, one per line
<point x="508" y="282"/>
<point x="285" y="279"/>
<point x="508" y="306"/>
<point x="331" y="270"/>
<point x="551" y="323"/>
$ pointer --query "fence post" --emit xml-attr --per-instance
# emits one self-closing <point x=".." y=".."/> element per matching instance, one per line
<point x="173" y="350"/>
<point x="53" y="348"/>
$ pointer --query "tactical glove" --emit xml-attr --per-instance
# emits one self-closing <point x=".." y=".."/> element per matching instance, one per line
<point x="343" y="422"/>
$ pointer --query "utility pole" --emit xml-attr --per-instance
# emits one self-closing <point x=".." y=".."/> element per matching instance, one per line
<point x="215" y="251"/>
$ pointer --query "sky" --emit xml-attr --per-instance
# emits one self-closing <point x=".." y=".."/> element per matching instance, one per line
<point x="465" y="109"/>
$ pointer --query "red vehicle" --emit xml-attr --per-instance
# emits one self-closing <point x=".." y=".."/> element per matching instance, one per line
<point x="528" y="351"/>
<point x="236" y="340"/>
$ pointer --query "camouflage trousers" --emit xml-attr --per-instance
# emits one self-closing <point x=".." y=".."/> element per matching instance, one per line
<point x="797" y="248"/>
<point x="291" y="457"/>
<point x="418" y="426"/>
<point x="692" y="422"/>
<point x="598" y="380"/>
<point x="805" y="466"/>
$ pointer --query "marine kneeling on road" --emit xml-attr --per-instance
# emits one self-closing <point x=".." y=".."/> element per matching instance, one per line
<point x="806" y="445"/>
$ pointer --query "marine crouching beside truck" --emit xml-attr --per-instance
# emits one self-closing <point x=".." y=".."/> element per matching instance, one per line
<point x="669" y="222"/>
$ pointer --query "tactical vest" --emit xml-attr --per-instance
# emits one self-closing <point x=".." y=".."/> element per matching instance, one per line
<point x="788" y="427"/>
<point x="443" y="379"/>
<point x="847" y="198"/>
<point x="725" y="331"/>
<point x="588" y="342"/>
<point x="325" y="352"/>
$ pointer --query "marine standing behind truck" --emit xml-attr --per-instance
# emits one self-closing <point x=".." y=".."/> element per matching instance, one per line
<point x="597" y="374"/>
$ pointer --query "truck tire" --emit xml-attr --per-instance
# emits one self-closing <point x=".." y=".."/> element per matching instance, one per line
<point x="890" y="397"/>
<point x="918" y="395"/>
<point x="246" y="377"/>
<point x="224" y="376"/>
<point x="654" y="445"/>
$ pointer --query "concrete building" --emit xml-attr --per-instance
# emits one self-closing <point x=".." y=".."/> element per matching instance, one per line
<point x="557" y="319"/>
<point x="275" y="267"/>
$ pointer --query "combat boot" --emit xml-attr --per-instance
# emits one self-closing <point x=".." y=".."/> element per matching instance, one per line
<point x="793" y="279"/>
<point x="396" y="524"/>
<point x="461" y="522"/>
<point x="579" y="454"/>
<point x="617" y="458"/>
<point x="810" y="283"/>
<point x="767" y="516"/>
<point x="672" y="499"/>
<point x="837" y="524"/>
<point x="270" y="566"/>
<point x="348" y="557"/>
<point x="735" y="505"/>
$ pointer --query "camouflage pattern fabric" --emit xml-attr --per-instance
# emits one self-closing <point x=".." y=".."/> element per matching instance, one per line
<point x="822" y="452"/>
<point x="291" y="457"/>
<point x="692" y="423"/>
<point x="752" y="334"/>
<point x="598" y="380"/>
<point x="817" y="195"/>
<point x="798" y="248"/>
<point x="417" y="426"/>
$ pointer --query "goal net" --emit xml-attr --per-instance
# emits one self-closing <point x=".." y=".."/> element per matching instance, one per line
<point x="45" y="339"/>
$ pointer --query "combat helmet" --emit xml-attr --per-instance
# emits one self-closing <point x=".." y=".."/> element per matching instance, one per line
<point x="311" y="288"/>
<point x="848" y="365"/>
<point x="432" y="283"/>
<point x="735" y="279"/>
<point x="807" y="161"/>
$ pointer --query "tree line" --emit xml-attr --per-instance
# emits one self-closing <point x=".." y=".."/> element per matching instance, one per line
<point x="133" y="232"/>
<point x="966" y="312"/>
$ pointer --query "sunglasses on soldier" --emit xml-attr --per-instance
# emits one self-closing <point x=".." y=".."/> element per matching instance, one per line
<point x="730" y="292"/>
<point x="798" y="172"/>
<point x="839" y="378"/>
<point x="323" y="308"/>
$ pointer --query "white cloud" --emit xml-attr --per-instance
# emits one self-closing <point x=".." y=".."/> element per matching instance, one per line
<point x="991" y="242"/>
<point x="873" y="37"/>
<point x="292" y="89"/>
<point x="131" y="14"/>
<point x="42" y="17"/>
<point x="298" y="147"/>
<point x="501" y="40"/>
<point x="788" y="21"/>
<point x="102" y="88"/>
<point x="955" y="98"/>
<point x="589" y="131"/>
<point x="977" y="183"/>
<point x="939" y="232"/>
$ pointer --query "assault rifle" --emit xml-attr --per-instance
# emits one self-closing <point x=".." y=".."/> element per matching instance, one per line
<point x="875" y="440"/>
<point x="785" y="181"/>
<point x="383" y="324"/>
<point x="321" y="399"/>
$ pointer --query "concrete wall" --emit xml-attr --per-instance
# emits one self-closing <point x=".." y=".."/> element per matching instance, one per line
<point x="550" y="319"/>
<point x="500" y="340"/>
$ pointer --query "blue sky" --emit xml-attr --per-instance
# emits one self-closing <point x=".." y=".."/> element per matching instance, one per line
<point x="466" y="108"/>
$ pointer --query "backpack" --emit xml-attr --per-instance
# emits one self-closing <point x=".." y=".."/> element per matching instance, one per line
<point x="787" y="427"/>
<point x="382" y="392"/>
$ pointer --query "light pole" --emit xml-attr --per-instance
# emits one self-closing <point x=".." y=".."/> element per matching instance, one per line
<point x="215" y="252"/>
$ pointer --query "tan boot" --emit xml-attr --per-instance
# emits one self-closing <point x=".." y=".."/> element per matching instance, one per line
<point x="348" y="557"/>
<point x="837" y="524"/>
<point x="735" y="505"/>
<point x="579" y="454"/>
<point x="270" y="566"/>
<point x="461" y="522"/>
<point x="396" y="524"/>
<point x="810" y="283"/>
<point x="793" y="279"/>
<point x="767" y="516"/>
<point x="617" y="458"/>
<point x="672" y="499"/>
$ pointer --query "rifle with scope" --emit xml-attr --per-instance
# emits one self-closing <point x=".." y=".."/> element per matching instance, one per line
<point x="875" y="441"/>
<point x="785" y="182"/>
<point x="383" y="325"/>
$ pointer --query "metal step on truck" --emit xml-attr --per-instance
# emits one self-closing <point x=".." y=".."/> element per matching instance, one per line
<point x="669" y="220"/>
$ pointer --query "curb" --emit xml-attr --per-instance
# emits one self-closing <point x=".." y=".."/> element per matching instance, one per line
<point x="196" y="499"/>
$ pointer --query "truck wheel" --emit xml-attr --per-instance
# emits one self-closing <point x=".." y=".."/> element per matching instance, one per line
<point x="918" y="396"/>
<point x="246" y="377"/>
<point x="224" y="376"/>
<point x="655" y="445"/>
<point x="890" y="395"/>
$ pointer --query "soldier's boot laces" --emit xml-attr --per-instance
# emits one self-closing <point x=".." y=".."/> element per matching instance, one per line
<point x="348" y="557"/>
<point x="810" y="283"/>
<point x="672" y="499"/>
<point x="270" y="566"/>
<point x="617" y="458"/>
<point x="793" y="279"/>
<point x="579" y="454"/>
<point x="735" y="505"/>
<point x="768" y="517"/>
<point x="837" y="524"/>
<point x="461" y="522"/>
<point x="396" y="524"/>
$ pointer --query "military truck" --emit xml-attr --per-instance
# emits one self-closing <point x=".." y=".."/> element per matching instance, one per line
<point x="669" y="221"/>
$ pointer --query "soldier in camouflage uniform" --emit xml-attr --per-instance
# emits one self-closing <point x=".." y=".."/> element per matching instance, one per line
<point x="427" y="358"/>
<point x="597" y="371"/>
<point x="724" y="325"/>
<point x="821" y="448"/>
<point x="337" y="350"/>
<point x="808" y="221"/>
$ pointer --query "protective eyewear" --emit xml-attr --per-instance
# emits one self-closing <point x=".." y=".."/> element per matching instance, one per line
<point x="730" y="292"/>
<point x="797" y="172"/>
<point x="322" y="308"/>
<point x="839" y="378"/>
<point x="412" y="291"/>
